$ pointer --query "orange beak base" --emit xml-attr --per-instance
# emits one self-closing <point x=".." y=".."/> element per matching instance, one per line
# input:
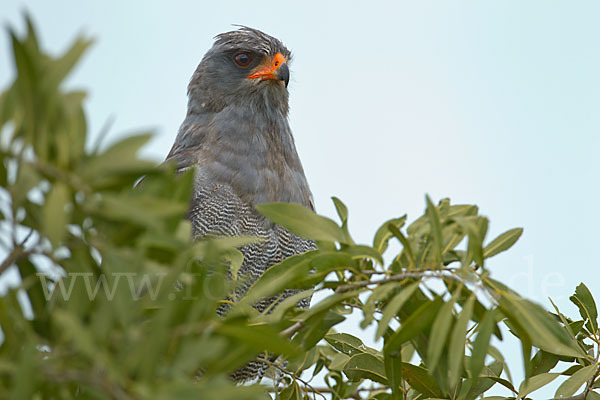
<point x="276" y="69"/>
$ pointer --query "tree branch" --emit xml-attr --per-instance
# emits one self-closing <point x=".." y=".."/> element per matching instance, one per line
<point x="307" y="385"/>
<point x="355" y="395"/>
<point x="396" y="278"/>
<point x="17" y="253"/>
<point x="289" y="332"/>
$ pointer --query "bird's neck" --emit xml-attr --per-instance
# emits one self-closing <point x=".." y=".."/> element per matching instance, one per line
<point x="269" y="102"/>
<point x="250" y="148"/>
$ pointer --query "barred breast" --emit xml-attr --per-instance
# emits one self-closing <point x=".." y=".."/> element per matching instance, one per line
<point x="217" y="210"/>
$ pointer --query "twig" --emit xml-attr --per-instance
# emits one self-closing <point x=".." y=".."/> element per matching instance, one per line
<point x="24" y="241"/>
<point x="395" y="278"/>
<point x="374" y="272"/>
<point x="356" y="306"/>
<point x="289" y="332"/>
<point x="295" y="377"/>
<point x="590" y="382"/>
<point x="17" y="253"/>
<point x="355" y="395"/>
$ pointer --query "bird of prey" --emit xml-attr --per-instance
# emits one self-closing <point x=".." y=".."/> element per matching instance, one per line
<point x="237" y="137"/>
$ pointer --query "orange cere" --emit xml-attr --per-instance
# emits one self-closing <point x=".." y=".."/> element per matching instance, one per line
<point x="267" y="69"/>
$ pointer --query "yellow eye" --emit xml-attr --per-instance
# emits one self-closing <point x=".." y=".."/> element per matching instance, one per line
<point x="243" y="59"/>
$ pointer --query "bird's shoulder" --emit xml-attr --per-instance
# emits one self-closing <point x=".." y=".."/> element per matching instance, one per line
<point x="189" y="147"/>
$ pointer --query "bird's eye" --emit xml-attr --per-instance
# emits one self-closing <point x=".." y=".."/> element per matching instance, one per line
<point x="243" y="59"/>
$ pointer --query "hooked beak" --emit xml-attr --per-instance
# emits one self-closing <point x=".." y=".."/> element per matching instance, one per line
<point x="276" y="68"/>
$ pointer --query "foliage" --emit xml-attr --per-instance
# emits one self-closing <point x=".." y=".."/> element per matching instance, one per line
<point x="116" y="301"/>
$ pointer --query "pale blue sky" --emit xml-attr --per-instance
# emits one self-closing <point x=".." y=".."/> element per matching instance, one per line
<point x="493" y="103"/>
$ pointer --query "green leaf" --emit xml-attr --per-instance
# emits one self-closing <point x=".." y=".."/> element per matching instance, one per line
<point x="303" y="222"/>
<point x="316" y="328"/>
<point x="407" y="248"/>
<point x="209" y="388"/>
<point x="536" y="382"/>
<point x="7" y="107"/>
<point x="118" y="158"/>
<point x="31" y="39"/>
<point x="223" y="244"/>
<point x="346" y="343"/>
<point x="502" y="243"/>
<point x="378" y="295"/>
<point x="329" y="302"/>
<point x="592" y="396"/>
<point x="361" y="251"/>
<point x="543" y="329"/>
<point x="236" y="259"/>
<point x="145" y="211"/>
<point x="27" y="89"/>
<point x="452" y="238"/>
<point x="473" y="388"/>
<point x="341" y="209"/>
<point x="338" y="362"/>
<point x="278" y="277"/>
<point x="127" y="146"/>
<point x="501" y="381"/>
<point x="195" y="352"/>
<point x="365" y="366"/>
<point x="420" y="380"/>
<point x="473" y="226"/>
<point x="415" y="324"/>
<point x="81" y="337"/>
<point x="584" y="300"/>
<point x="292" y="392"/>
<point x="576" y="326"/>
<point x="61" y="67"/>
<point x="35" y="291"/>
<point x="496" y="398"/>
<point x="3" y="160"/>
<point x="56" y="215"/>
<point x="439" y="331"/>
<point x="433" y="216"/>
<point x="575" y="381"/>
<point x="27" y="374"/>
<point x="543" y="362"/>
<point x="393" y="307"/>
<point x="480" y="347"/>
<point x="27" y="179"/>
<point x="258" y="337"/>
<point x="277" y="312"/>
<point x="75" y="123"/>
<point x="393" y="371"/>
<point x="383" y="234"/>
<point x="307" y="360"/>
<point x="456" y="347"/>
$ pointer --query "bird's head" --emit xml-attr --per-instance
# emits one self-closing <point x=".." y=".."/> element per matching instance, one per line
<point x="243" y="66"/>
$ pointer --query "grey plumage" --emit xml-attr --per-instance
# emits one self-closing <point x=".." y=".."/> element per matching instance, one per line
<point x="237" y="137"/>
